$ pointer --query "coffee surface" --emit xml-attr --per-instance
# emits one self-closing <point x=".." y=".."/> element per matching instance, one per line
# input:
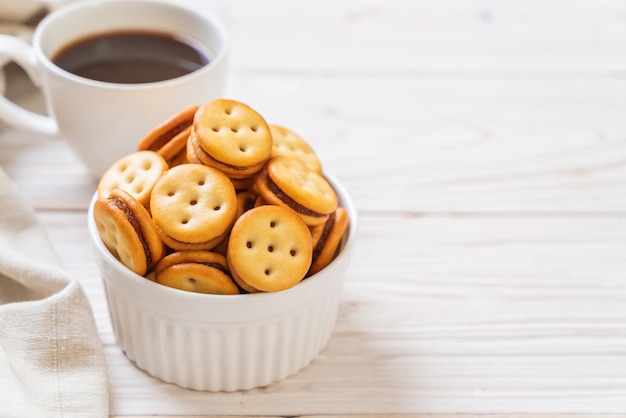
<point x="132" y="57"/>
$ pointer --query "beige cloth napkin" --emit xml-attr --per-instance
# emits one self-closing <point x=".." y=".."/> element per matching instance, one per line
<point x="25" y="11"/>
<point x="51" y="358"/>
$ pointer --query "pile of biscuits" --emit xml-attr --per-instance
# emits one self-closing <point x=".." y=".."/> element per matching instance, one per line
<point x="216" y="200"/>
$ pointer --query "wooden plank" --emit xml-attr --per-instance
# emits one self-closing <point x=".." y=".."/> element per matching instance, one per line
<point x="483" y="143"/>
<point x="460" y="145"/>
<point x="403" y="416"/>
<point x="426" y="38"/>
<point x="491" y="146"/>
<point x="439" y="314"/>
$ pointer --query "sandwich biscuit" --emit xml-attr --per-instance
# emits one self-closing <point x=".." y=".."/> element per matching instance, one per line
<point x="289" y="183"/>
<point x="126" y="229"/>
<point x="245" y="201"/>
<point x="135" y="173"/>
<point x="287" y="143"/>
<point x="169" y="139"/>
<point x="232" y="137"/>
<point x="326" y="239"/>
<point x="269" y="249"/>
<point x="196" y="271"/>
<point x="193" y="206"/>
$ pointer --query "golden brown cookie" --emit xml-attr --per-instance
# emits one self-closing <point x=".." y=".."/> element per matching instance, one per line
<point x="190" y="153"/>
<point x="245" y="287"/>
<point x="196" y="271"/>
<point x="269" y="249"/>
<point x="286" y="142"/>
<point x="326" y="239"/>
<point x="288" y="182"/>
<point x="259" y="201"/>
<point x="135" y="173"/>
<point x="245" y="201"/>
<point x="169" y="138"/>
<point x="178" y="159"/>
<point x="128" y="232"/>
<point x="242" y="184"/>
<point x="232" y="137"/>
<point x="194" y="207"/>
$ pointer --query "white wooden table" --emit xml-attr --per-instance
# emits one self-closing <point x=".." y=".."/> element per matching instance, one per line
<point x="484" y="143"/>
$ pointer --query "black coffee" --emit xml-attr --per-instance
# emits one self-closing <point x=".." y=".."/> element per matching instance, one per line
<point x="132" y="57"/>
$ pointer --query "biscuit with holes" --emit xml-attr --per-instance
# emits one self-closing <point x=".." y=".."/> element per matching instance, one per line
<point x="135" y="173"/>
<point x="169" y="138"/>
<point x="231" y="137"/>
<point x="196" y="271"/>
<point x="286" y="142"/>
<point x="245" y="287"/>
<point x="326" y="239"/>
<point x="242" y="178"/>
<point x="269" y="249"/>
<point x="289" y="183"/>
<point x="245" y="201"/>
<point x="128" y="232"/>
<point x="193" y="206"/>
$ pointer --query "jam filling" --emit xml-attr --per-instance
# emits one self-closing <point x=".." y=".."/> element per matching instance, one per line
<point x="289" y="201"/>
<point x="248" y="204"/>
<point x="135" y="224"/>
<point x="328" y="226"/>
<point x="203" y="155"/>
<point x="169" y="135"/>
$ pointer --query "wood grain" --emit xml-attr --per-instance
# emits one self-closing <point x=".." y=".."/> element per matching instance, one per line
<point x="468" y="313"/>
<point x="484" y="143"/>
<point x="455" y="146"/>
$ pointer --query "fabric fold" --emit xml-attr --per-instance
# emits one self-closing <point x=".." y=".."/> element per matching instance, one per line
<point x="51" y="358"/>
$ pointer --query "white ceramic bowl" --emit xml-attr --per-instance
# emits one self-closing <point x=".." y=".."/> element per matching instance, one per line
<point x="223" y="342"/>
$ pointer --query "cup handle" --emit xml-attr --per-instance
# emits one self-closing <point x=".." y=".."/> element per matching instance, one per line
<point x="23" y="54"/>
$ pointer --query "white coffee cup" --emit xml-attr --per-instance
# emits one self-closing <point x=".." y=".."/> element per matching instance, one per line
<point x="102" y="121"/>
